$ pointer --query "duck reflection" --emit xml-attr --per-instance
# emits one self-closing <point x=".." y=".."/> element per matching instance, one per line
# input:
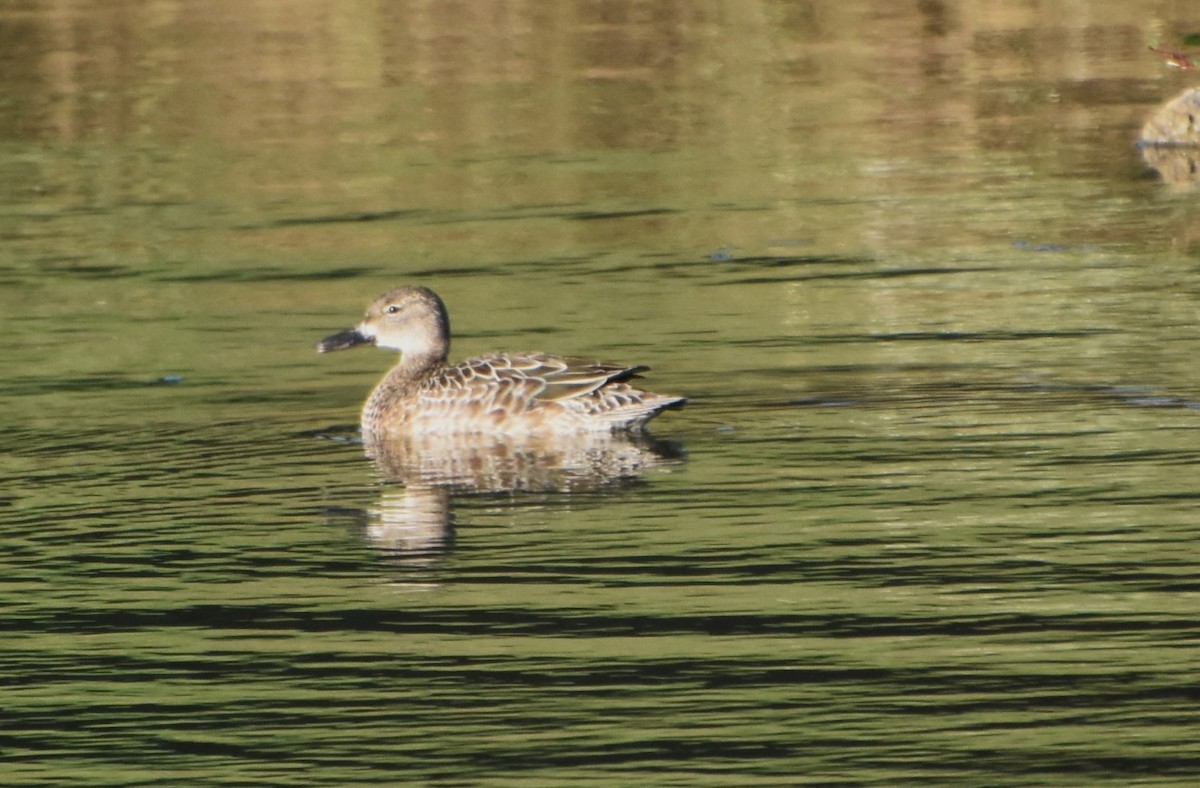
<point x="412" y="522"/>
<point x="423" y="474"/>
<point x="1170" y="140"/>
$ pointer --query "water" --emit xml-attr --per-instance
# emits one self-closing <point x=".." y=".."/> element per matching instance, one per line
<point x="928" y="519"/>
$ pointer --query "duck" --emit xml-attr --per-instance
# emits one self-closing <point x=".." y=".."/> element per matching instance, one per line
<point x="493" y="394"/>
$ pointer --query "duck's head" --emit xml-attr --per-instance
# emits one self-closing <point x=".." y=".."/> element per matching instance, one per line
<point x="411" y="320"/>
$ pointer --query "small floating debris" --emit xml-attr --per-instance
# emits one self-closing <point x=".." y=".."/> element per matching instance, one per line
<point x="168" y="380"/>
<point x="1030" y="246"/>
<point x="347" y="439"/>
<point x="1021" y="243"/>
<point x="337" y="433"/>
<point x="1154" y="402"/>
<point x="1175" y="59"/>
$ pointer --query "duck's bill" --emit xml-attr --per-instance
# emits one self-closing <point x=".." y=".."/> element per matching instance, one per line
<point x="349" y="338"/>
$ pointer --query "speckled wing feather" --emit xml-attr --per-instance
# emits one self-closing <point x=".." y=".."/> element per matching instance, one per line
<point x="477" y="387"/>
<point x="563" y="378"/>
<point x="513" y="384"/>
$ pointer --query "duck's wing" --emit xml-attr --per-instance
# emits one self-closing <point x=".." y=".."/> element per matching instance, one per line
<point x="518" y="381"/>
<point x="596" y="391"/>
<point x="487" y="384"/>
<point x="508" y="385"/>
<point x="563" y="379"/>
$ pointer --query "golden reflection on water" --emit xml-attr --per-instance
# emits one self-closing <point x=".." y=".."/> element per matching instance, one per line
<point x="383" y="106"/>
<point x="388" y="137"/>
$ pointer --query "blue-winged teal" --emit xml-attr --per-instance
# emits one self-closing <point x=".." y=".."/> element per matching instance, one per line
<point x="498" y="393"/>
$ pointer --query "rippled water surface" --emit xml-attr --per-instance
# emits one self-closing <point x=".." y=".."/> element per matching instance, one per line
<point x="930" y="517"/>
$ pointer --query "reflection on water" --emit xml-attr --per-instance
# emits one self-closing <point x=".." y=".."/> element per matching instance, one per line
<point x="937" y="522"/>
<point x="412" y="522"/>
<point x="1170" y="140"/>
<point x="485" y="463"/>
<point x="424" y="472"/>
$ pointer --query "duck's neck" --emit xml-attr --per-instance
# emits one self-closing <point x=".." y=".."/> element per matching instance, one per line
<point x="397" y="385"/>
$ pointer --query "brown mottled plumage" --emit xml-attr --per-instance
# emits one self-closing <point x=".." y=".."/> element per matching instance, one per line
<point x="497" y="393"/>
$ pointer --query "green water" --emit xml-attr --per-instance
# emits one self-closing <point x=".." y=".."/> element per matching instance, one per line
<point x="928" y="518"/>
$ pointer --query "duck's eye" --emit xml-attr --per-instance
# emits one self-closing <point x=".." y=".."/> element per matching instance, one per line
<point x="393" y="309"/>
